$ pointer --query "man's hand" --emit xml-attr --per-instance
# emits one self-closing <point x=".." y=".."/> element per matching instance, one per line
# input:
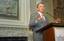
<point x="57" y="20"/>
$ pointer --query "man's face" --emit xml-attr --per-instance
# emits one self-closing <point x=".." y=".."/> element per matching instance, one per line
<point x="41" y="8"/>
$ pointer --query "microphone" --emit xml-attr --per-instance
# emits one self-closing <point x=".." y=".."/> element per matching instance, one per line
<point x="50" y="15"/>
<point x="55" y="19"/>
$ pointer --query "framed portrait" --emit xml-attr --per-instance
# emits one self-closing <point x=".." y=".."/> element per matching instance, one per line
<point x="9" y="9"/>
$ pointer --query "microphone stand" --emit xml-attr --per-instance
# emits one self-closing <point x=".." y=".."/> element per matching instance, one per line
<point x="55" y="19"/>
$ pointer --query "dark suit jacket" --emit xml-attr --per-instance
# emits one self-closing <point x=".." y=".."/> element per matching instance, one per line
<point x="37" y="24"/>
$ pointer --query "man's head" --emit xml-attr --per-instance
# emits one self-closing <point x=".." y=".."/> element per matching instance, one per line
<point x="41" y="7"/>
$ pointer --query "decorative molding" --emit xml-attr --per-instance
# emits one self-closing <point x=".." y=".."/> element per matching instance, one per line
<point x="24" y="14"/>
<point x="17" y="32"/>
<point x="18" y="27"/>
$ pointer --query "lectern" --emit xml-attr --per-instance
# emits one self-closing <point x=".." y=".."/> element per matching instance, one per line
<point x="53" y="32"/>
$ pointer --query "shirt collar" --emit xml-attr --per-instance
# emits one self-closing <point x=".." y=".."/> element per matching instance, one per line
<point x="40" y="13"/>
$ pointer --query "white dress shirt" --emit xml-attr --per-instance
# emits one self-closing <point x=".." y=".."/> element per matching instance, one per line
<point x="42" y="16"/>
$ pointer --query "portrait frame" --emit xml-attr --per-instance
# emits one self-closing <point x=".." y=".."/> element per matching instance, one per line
<point x="9" y="9"/>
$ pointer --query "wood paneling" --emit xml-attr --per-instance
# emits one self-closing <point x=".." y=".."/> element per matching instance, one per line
<point x="58" y="10"/>
<point x="48" y="35"/>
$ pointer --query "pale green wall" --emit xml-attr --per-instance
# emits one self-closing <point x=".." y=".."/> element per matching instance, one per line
<point x="49" y="9"/>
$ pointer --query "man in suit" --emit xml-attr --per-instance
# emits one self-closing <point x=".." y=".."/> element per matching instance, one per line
<point x="37" y="21"/>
